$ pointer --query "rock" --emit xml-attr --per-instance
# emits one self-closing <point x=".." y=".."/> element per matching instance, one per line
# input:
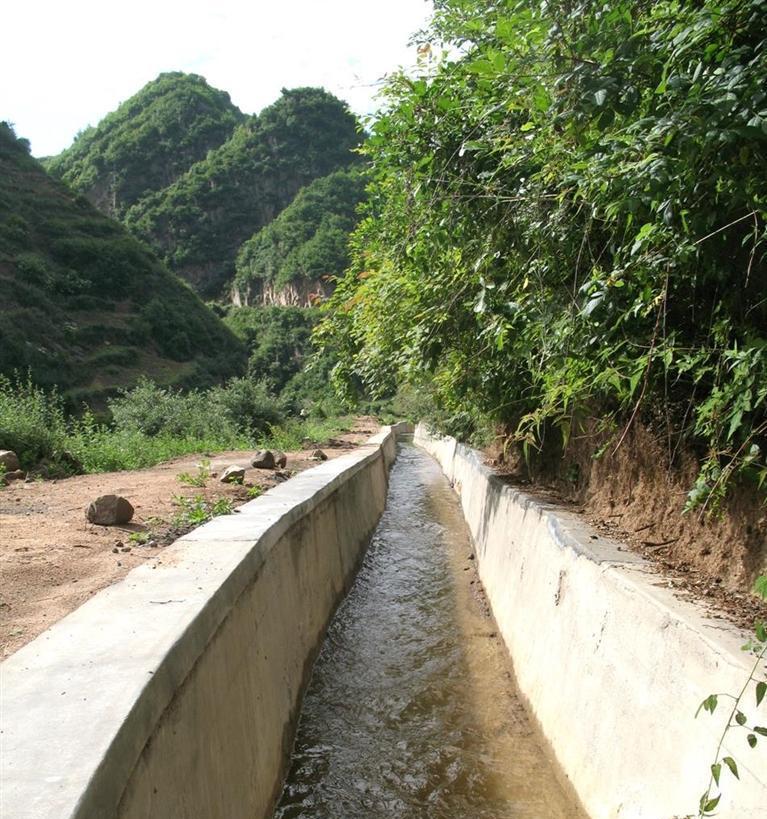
<point x="282" y="475"/>
<point x="318" y="455"/>
<point x="233" y="474"/>
<point x="109" y="510"/>
<point x="16" y="475"/>
<point x="280" y="459"/>
<point x="9" y="461"/>
<point x="263" y="459"/>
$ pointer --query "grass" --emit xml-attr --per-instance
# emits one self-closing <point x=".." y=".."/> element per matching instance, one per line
<point x="34" y="425"/>
<point x="197" y="510"/>
<point x="291" y="435"/>
<point x="198" y="478"/>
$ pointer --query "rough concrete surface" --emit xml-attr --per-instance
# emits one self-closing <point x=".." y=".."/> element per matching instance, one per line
<point x="612" y="664"/>
<point x="174" y="693"/>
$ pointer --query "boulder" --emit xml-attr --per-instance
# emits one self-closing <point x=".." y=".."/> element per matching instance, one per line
<point x="9" y="461"/>
<point x="280" y="459"/>
<point x="233" y="474"/>
<point x="263" y="459"/>
<point x="319" y="455"/>
<point x="109" y="510"/>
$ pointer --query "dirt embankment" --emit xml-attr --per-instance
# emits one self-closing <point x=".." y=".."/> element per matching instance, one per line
<point x="52" y="560"/>
<point x="636" y="494"/>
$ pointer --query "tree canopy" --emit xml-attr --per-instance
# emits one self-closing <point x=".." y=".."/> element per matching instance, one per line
<point x="568" y="217"/>
<point x="148" y="142"/>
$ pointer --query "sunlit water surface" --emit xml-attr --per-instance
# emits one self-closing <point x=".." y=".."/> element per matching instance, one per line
<point x="412" y="709"/>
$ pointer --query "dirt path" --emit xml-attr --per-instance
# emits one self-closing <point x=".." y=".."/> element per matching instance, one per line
<point x="52" y="560"/>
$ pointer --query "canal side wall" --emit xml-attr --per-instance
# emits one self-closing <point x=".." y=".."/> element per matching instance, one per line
<point x="175" y="693"/>
<point x="612" y="664"/>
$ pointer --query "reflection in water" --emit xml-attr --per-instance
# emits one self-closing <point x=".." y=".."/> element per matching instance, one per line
<point x="411" y="711"/>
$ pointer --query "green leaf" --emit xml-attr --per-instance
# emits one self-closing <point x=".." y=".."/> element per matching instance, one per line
<point x="731" y="764"/>
<point x="761" y="632"/>
<point x="740" y="718"/>
<point x="761" y="690"/>
<point x="716" y="771"/>
<point x="760" y="730"/>
<point x="711" y="804"/>
<point x="751" y="740"/>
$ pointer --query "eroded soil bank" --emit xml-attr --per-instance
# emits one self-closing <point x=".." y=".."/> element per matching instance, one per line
<point x="52" y="560"/>
<point x="412" y="709"/>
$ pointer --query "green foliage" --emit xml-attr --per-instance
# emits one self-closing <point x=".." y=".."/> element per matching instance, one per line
<point x="199" y="221"/>
<point x="281" y="355"/>
<point x="307" y="241"/>
<point x="148" y="142"/>
<point x="229" y="414"/>
<point x="85" y="305"/>
<point x="294" y="433"/>
<point x="198" y="478"/>
<point x="568" y="217"/>
<point x="197" y="510"/>
<point x="737" y="719"/>
<point x="32" y="423"/>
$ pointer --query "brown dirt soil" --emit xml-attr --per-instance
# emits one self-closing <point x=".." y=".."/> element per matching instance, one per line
<point x="52" y="560"/>
<point x="633" y="495"/>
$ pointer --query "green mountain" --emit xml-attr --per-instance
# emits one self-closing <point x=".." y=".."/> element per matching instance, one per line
<point x="87" y="307"/>
<point x="296" y="256"/>
<point x="198" y="222"/>
<point x="148" y="142"/>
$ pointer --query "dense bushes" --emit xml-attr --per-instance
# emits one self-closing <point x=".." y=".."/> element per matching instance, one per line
<point x="568" y="218"/>
<point x="147" y="424"/>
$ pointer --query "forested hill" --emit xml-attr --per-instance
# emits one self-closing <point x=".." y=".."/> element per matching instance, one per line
<point x="296" y="258"/>
<point x="148" y="142"/>
<point x="199" y="222"/>
<point x="87" y="307"/>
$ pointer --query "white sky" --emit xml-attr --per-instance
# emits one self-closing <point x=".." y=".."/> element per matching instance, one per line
<point x="64" y="65"/>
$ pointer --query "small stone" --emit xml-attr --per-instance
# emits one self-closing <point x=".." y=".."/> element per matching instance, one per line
<point x="280" y="459"/>
<point x="15" y="475"/>
<point x="282" y="475"/>
<point x="318" y="455"/>
<point x="233" y="474"/>
<point x="263" y="459"/>
<point x="126" y="548"/>
<point x="109" y="510"/>
<point x="470" y="557"/>
<point x="115" y="550"/>
<point x="9" y="461"/>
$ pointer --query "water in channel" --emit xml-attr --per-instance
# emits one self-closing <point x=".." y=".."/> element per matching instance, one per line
<point x="411" y="710"/>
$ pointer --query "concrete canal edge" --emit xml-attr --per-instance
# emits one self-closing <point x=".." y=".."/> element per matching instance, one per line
<point x="612" y="664"/>
<point x="175" y="692"/>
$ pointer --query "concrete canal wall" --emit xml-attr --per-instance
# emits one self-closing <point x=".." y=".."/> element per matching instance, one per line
<point x="175" y="692"/>
<point x="612" y="663"/>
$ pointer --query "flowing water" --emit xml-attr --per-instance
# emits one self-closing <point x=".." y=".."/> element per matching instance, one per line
<point x="412" y="709"/>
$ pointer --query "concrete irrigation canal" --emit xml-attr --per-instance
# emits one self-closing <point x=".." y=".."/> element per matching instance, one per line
<point x="411" y="711"/>
<point x="494" y="658"/>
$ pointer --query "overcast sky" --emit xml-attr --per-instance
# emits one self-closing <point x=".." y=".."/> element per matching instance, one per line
<point x="64" y="65"/>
